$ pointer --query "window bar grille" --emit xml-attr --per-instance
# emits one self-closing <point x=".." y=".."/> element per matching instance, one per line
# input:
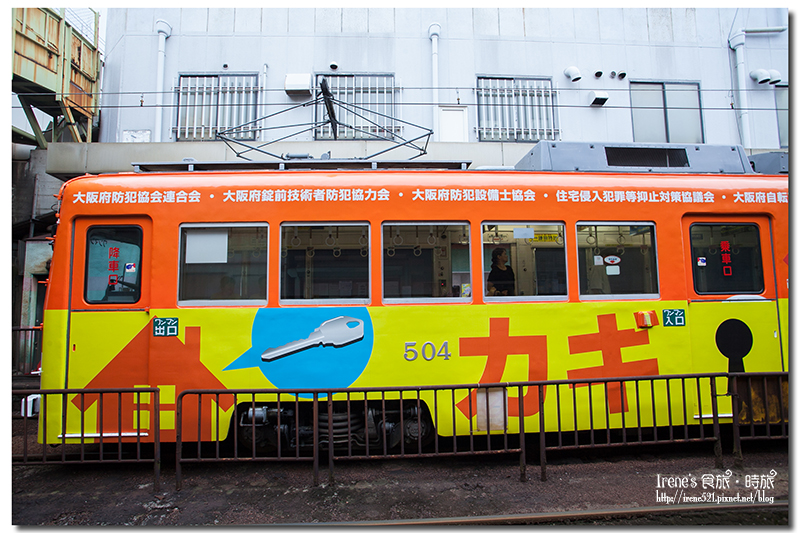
<point x="487" y="97"/>
<point x="362" y="99"/>
<point x="205" y="109"/>
<point x="225" y="109"/>
<point x="199" y="115"/>
<point x="384" y="103"/>
<point x="541" y="112"/>
<point x="238" y="95"/>
<point x="510" y="104"/>
<point x="524" y="116"/>
<point x="196" y="95"/>
<point x="500" y="124"/>
<point x="549" y="105"/>
<point x="366" y="100"/>
<point x="394" y="109"/>
<point x="481" y="110"/>
<point x="183" y="118"/>
<point x="208" y="112"/>
<point x="234" y="96"/>
<point x="348" y="97"/>
<point x="345" y="95"/>
<point x="493" y="95"/>
<point x="505" y="131"/>
<point x="252" y="102"/>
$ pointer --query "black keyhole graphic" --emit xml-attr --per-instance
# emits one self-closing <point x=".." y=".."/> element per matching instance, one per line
<point x="734" y="340"/>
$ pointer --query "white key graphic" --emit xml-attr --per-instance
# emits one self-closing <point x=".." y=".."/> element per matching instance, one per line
<point x="334" y="332"/>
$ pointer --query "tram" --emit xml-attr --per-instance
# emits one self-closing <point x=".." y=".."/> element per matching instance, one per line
<point x="387" y="276"/>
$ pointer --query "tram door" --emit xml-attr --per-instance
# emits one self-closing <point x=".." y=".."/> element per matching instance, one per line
<point x="109" y="307"/>
<point x="732" y="310"/>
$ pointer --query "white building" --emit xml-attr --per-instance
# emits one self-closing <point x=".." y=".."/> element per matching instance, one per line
<point x="479" y="85"/>
<point x="489" y="82"/>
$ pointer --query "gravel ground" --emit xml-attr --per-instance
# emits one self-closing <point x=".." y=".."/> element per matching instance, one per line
<point x="407" y="489"/>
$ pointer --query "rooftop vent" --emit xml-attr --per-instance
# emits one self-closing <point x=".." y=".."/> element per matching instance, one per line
<point x="669" y="158"/>
<point x="646" y="157"/>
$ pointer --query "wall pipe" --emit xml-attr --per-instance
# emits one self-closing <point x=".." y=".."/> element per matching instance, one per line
<point x="164" y="31"/>
<point x="736" y="42"/>
<point x="433" y="35"/>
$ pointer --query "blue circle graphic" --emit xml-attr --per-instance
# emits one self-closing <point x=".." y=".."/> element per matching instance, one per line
<point x="317" y="367"/>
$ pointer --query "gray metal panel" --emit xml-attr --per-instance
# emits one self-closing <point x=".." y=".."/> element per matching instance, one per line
<point x="592" y="157"/>
<point x="771" y="163"/>
<point x="297" y="164"/>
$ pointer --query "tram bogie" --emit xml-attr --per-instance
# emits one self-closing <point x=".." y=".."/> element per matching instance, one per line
<point x="353" y="427"/>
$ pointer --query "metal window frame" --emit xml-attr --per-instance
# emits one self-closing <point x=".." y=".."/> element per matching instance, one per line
<point x="325" y="301"/>
<point x="783" y="143"/>
<point x="425" y="299"/>
<point x="532" y="116"/>
<point x="138" y="293"/>
<point x="665" y="108"/>
<point x="218" y="303"/>
<point x="223" y="106"/>
<point x="760" y="257"/>
<point x="527" y="298"/>
<point x="631" y="296"/>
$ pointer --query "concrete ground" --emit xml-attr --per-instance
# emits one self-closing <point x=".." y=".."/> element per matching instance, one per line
<point x="407" y="489"/>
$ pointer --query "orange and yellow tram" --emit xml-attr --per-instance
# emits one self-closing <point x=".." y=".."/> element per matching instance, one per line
<point x="319" y="279"/>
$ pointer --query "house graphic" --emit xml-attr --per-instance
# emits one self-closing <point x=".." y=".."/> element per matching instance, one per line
<point x="156" y="361"/>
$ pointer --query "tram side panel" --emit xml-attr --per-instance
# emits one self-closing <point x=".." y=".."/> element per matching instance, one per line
<point x="217" y="341"/>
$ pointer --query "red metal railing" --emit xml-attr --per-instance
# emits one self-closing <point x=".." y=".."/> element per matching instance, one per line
<point x="313" y="425"/>
<point x="680" y="409"/>
<point x="108" y="440"/>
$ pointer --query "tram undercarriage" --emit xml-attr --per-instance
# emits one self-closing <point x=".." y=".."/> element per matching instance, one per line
<point x="376" y="427"/>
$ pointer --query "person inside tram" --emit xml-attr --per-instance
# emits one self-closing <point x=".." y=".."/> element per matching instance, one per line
<point x="227" y="289"/>
<point x="501" y="278"/>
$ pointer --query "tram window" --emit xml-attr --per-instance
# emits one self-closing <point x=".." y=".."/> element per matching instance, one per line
<point x="325" y="262"/>
<point x="426" y="261"/>
<point x="524" y="260"/>
<point x="225" y="264"/>
<point x="726" y="259"/>
<point x="617" y="260"/>
<point x="113" y="264"/>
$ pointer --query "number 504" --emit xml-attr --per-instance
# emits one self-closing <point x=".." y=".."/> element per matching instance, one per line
<point x="428" y="351"/>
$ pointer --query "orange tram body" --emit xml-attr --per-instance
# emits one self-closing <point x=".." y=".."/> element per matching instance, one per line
<point x="320" y="279"/>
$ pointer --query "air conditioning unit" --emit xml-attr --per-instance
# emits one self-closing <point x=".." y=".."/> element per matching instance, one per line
<point x="297" y="84"/>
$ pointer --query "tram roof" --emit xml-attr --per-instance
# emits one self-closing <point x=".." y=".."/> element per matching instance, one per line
<point x="545" y="156"/>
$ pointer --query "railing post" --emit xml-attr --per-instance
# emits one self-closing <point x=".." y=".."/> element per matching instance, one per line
<point x="315" y="431"/>
<point x="523" y="475"/>
<point x="542" y="441"/>
<point x="715" y="418"/>
<point x="330" y="438"/>
<point x="178" y="427"/>
<point x="738" y="460"/>
<point x="157" y="439"/>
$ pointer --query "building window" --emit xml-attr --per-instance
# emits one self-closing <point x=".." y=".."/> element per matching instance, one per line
<point x="208" y="104"/>
<point x="325" y="263"/>
<point x="782" y="106"/>
<point x="367" y="106"/>
<point x="617" y="261"/>
<point x="425" y="261"/>
<point x="517" y="109"/>
<point x="524" y="260"/>
<point x="113" y="264"/>
<point x="666" y="112"/>
<point x="726" y="259"/>
<point x="224" y="263"/>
